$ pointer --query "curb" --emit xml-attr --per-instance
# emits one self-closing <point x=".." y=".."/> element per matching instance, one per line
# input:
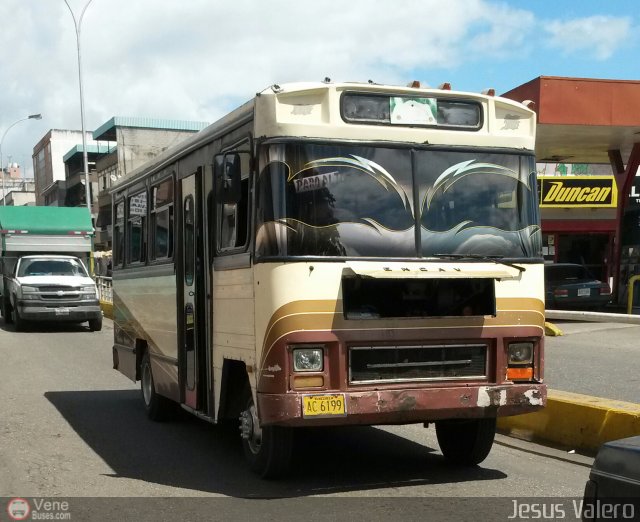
<point x="552" y="330"/>
<point x="576" y="421"/>
<point x="598" y="317"/>
<point x="107" y="309"/>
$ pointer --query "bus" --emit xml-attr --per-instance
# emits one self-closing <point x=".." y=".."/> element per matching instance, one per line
<point x="333" y="254"/>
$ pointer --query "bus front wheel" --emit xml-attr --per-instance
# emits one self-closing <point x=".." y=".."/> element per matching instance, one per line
<point x="466" y="441"/>
<point x="267" y="448"/>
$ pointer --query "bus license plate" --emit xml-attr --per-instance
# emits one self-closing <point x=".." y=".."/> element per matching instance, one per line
<point x="323" y="405"/>
<point x="582" y="292"/>
<point x="62" y="311"/>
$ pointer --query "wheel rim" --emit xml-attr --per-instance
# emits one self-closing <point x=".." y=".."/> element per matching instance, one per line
<point x="147" y="384"/>
<point x="250" y="428"/>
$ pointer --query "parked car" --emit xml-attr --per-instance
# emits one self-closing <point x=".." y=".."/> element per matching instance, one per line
<point x="613" y="489"/>
<point x="571" y="286"/>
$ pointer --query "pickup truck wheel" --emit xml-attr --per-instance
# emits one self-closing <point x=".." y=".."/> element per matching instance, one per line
<point x="158" y="408"/>
<point x="95" y="325"/>
<point x="18" y="322"/>
<point x="466" y="442"/>
<point x="267" y="449"/>
<point x="6" y="310"/>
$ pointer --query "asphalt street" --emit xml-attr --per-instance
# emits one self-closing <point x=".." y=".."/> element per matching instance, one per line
<point x="72" y="427"/>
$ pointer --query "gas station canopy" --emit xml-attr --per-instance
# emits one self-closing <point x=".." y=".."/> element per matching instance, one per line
<point x="580" y="120"/>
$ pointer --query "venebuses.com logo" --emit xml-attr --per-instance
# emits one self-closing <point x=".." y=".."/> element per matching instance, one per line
<point x="38" y="509"/>
<point x="18" y="509"/>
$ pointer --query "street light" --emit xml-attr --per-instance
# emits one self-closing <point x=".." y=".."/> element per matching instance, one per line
<point x="30" y="117"/>
<point x="78" y="25"/>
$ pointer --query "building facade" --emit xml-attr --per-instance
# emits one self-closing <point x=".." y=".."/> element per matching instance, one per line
<point x="132" y="143"/>
<point x="48" y="164"/>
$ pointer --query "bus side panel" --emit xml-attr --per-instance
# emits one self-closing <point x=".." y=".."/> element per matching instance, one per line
<point x="233" y="321"/>
<point x="145" y="318"/>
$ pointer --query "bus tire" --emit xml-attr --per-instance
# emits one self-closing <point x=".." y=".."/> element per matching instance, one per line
<point x="466" y="441"/>
<point x="158" y="408"/>
<point x="267" y="449"/>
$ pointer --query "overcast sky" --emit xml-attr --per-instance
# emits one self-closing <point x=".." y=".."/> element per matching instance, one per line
<point x="198" y="59"/>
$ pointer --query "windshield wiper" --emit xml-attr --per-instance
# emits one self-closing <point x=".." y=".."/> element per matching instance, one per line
<point x="480" y="257"/>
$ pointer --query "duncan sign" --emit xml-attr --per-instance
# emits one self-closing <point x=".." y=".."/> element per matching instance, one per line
<point x="578" y="191"/>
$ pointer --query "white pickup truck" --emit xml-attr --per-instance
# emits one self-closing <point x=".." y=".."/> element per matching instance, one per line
<point x="51" y="288"/>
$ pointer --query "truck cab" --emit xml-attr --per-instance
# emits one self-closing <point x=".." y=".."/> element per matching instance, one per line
<point x="51" y="287"/>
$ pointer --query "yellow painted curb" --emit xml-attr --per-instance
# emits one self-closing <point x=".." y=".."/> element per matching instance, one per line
<point x="552" y="330"/>
<point x="576" y="421"/>
<point x="107" y="309"/>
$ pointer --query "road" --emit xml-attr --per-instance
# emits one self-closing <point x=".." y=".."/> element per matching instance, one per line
<point x="599" y="359"/>
<point x="73" y="427"/>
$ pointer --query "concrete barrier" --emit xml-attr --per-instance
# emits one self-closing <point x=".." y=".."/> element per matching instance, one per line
<point x="576" y="421"/>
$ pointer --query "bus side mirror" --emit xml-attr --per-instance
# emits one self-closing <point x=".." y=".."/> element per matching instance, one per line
<point x="227" y="173"/>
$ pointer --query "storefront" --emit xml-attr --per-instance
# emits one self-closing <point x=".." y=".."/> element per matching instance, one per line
<point x="589" y="121"/>
<point x="630" y="255"/>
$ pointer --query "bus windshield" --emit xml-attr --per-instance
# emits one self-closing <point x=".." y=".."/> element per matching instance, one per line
<point x="368" y="201"/>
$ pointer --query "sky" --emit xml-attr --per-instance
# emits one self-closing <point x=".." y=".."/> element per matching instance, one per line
<point x="199" y="59"/>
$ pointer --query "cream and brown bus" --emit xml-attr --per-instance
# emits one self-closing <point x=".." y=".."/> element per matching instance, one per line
<point x="334" y="254"/>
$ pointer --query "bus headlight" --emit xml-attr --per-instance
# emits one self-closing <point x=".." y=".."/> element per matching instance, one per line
<point x="308" y="359"/>
<point x="521" y="353"/>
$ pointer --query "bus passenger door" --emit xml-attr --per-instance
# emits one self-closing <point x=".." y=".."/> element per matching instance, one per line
<point x="191" y="359"/>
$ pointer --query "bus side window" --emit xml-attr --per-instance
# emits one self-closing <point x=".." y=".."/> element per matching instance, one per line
<point x="137" y="229"/>
<point x="233" y="218"/>
<point x="118" y="235"/>
<point x="161" y="226"/>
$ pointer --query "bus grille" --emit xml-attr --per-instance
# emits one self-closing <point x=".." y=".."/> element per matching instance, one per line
<point x="373" y="364"/>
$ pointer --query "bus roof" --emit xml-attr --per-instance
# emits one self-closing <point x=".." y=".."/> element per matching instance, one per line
<point x="312" y="110"/>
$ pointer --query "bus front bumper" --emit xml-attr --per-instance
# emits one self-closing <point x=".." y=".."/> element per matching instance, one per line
<point x="407" y="406"/>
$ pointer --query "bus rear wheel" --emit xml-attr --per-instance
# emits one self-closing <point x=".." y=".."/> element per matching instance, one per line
<point x="466" y="441"/>
<point x="267" y="449"/>
<point x="158" y="408"/>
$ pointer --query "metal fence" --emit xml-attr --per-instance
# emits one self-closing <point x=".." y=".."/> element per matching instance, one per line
<point x="105" y="292"/>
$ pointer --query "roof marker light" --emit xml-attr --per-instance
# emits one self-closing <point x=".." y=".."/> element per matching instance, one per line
<point x="415" y="84"/>
<point x="446" y="86"/>
<point x="489" y="92"/>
